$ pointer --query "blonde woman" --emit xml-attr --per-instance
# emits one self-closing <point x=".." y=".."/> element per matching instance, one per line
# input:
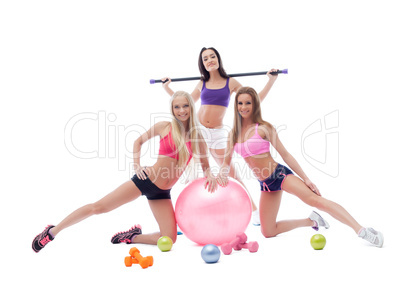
<point x="251" y="137"/>
<point x="214" y="89"/>
<point x="179" y="139"/>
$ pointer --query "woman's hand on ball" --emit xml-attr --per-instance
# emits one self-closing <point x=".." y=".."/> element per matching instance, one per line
<point x="222" y="178"/>
<point x="210" y="183"/>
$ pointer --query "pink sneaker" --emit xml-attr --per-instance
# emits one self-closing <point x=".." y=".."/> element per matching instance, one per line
<point x="42" y="239"/>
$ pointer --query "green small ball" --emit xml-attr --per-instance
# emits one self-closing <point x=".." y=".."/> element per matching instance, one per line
<point x="165" y="243"/>
<point x="318" y="241"/>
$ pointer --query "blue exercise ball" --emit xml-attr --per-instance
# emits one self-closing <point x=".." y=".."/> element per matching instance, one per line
<point x="210" y="253"/>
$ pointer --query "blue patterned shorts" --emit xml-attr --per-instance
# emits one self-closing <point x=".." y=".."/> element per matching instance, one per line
<point x="275" y="180"/>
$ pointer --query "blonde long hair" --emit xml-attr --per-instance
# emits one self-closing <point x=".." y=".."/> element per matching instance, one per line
<point x="178" y="130"/>
<point x="256" y="113"/>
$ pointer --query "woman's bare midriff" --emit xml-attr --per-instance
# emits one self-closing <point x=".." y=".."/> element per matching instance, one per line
<point x="165" y="172"/>
<point x="262" y="165"/>
<point x="211" y="116"/>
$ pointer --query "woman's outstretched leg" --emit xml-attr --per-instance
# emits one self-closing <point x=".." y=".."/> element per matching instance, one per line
<point x="125" y="193"/>
<point x="296" y="186"/>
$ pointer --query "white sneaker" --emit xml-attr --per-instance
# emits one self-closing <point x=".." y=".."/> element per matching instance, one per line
<point x="255" y="218"/>
<point x="374" y="237"/>
<point x="319" y="221"/>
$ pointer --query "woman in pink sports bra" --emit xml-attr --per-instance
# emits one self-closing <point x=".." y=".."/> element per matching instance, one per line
<point x="154" y="182"/>
<point x="251" y="137"/>
<point x="214" y="89"/>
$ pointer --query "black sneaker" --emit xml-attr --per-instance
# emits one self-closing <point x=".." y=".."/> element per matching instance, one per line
<point x="125" y="237"/>
<point x="42" y="239"/>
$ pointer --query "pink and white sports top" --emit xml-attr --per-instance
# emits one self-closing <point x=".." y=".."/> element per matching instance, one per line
<point x="255" y="145"/>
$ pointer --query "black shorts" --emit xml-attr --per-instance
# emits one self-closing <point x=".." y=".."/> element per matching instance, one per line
<point x="275" y="180"/>
<point x="149" y="189"/>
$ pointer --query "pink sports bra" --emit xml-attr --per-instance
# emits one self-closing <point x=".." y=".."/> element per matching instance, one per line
<point x="255" y="145"/>
<point x="168" y="148"/>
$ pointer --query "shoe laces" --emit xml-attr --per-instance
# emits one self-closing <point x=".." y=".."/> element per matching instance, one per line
<point x="371" y="235"/>
<point x="135" y="228"/>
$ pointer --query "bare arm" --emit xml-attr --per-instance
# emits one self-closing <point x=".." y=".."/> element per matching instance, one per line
<point x="210" y="182"/>
<point x="271" y="80"/>
<point x="234" y="86"/>
<point x="289" y="159"/>
<point x="166" y="86"/>
<point x="195" y="94"/>
<point x="225" y="167"/>
<point x="155" y="130"/>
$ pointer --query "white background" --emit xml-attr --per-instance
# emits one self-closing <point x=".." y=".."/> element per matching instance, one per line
<point x="65" y="59"/>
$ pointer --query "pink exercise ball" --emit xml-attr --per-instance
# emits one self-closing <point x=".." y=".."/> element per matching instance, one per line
<point x="213" y="218"/>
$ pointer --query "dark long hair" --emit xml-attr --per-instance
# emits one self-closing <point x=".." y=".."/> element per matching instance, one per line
<point x="204" y="73"/>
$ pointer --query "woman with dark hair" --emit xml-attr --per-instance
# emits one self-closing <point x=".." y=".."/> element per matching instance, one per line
<point x="251" y="138"/>
<point x="215" y="89"/>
